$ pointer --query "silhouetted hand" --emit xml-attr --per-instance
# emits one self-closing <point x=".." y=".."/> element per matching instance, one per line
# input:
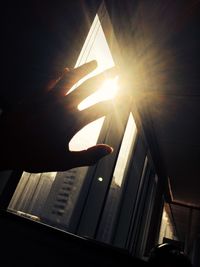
<point x="35" y="135"/>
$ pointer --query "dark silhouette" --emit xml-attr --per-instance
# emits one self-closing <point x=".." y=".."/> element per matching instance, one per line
<point x="37" y="118"/>
<point x="35" y="133"/>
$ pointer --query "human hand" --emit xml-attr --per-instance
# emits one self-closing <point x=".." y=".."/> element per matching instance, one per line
<point x="35" y="135"/>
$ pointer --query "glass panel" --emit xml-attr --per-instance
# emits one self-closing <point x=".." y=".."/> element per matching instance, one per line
<point x="113" y="200"/>
<point x="166" y="228"/>
<point x="52" y="196"/>
<point x="31" y="194"/>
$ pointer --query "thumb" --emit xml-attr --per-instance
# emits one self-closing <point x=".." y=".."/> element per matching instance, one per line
<point x="95" y="153"/>
<point x="91" y="156"/>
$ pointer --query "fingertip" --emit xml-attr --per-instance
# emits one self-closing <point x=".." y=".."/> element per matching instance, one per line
<point x="93" y="64"/>
<point x="108" y="149"/>
<point x="104" y="149"/>
<point x="111" y="72"/>
<point x="100" y="150"/>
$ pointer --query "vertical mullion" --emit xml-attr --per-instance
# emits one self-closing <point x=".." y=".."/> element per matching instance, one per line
<point x="130" y="195"/>
<point x="99" y="190"/>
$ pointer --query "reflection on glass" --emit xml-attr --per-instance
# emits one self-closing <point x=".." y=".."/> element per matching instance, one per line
<point x="113" y="200"/>
<point x="31" y="193"/>
<point x="166" y="228"/>
<point x="52" y="196"/>
<point x="128" y="140"/>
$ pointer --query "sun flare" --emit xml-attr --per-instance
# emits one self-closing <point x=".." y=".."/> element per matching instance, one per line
<point x="108" y="90"/>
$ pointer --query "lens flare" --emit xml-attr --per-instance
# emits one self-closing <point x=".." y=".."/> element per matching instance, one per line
<point x="108" y="90"/>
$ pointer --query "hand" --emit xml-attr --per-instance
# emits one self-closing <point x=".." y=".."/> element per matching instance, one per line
<point x="35" y="135"/>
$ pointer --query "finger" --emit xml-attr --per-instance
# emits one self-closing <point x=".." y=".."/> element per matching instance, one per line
<point x="83" y="70"/>
<point x="52" y="83"/>
<point x="71" y="77"/>
<point x="95" y="112"/>
<point x="90" y="156"/>
<point x="92" y="85"/>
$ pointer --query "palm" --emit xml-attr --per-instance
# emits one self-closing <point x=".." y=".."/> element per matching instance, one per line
<point x="40" y="129"/>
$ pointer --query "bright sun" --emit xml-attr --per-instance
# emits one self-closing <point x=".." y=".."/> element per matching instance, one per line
<point x="95" y="47"/>
<point x="108" y="90"/>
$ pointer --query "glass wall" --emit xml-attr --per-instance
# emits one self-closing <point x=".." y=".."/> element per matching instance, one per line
<point x="112" y="201"/>
<point x="112" y="205"/>
<point x="53" y="197"/>
<point x="166" y="228"/>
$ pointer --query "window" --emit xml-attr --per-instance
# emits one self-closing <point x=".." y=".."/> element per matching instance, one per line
<point x="87" y="201"/>
<point x="166" y="229"/>
<point x="112" y="205"/>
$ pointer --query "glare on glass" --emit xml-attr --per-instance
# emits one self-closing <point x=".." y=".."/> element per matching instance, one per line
<point x="99" y="51"/>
